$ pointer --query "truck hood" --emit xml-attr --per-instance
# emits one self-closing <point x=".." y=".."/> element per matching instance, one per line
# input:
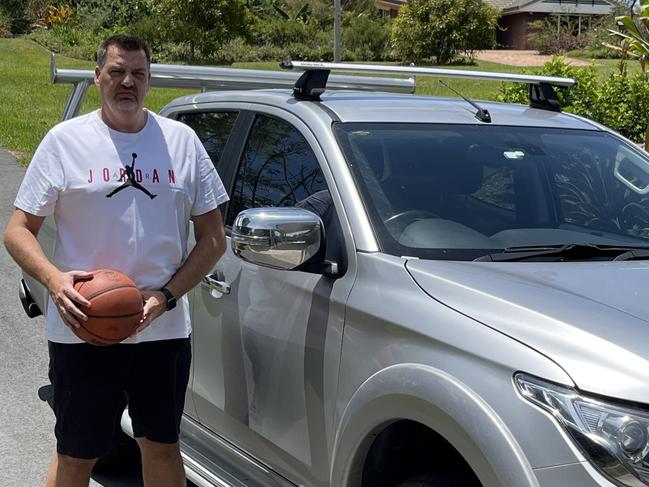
<point x="592" y="319"/>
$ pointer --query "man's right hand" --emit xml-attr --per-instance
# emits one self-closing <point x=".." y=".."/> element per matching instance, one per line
<point x="66" y="298"/>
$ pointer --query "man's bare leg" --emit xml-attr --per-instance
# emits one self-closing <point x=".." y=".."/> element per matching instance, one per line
<point x="162" y="465"/>
<point x="67" y="471"/>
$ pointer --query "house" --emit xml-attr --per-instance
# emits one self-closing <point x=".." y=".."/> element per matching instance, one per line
<point x="389" y="8"/>
<point x="517" y="14"/>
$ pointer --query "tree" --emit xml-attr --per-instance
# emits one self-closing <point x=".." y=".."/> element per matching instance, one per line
<point x="635" y="34"/>
<point x="441" y="29"/>
<point x="366" y="37"/>
<point x="204" y="24"/>
<point x="14" y="12"/>
<point x="302" y="14"/>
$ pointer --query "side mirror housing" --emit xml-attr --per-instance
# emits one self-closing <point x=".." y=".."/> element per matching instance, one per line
<point x="281" y="238"/>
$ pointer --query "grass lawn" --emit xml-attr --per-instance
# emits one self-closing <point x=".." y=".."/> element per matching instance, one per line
<point x="32" y="104"/>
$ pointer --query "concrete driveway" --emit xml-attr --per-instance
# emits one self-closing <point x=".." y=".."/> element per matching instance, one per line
<point x="522" y="58"/>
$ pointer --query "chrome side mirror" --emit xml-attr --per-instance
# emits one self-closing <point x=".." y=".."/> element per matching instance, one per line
<point x="281" y="238"/>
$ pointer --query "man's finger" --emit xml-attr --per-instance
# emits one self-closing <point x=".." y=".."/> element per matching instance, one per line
<point x="68" y="318"/>
<point x="74" y="295"/>
<point x="72" y="310"/>
<point x="81" y="275"/>
<point x="143" y="324"/>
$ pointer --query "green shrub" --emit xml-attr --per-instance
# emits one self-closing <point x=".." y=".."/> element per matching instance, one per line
<point x="72" y="40"/>
<point x="583" y="92"/>
<point x="16" y="12"/>
<point x="280" y="32"/>
<point x="589" y="43"/>
<point x="297" y="51"/>
<point x="204" y="25"/>
<point x="366" y="37"/>
<point x="543" y="36"/>
<point x="441" y="29"/>
<point x="5" y="25"/>
<point x="630" y="35"/>
<point x="623" y="104"/>
<point x="109" y="14"/>
<point x="620" y="102"/>
<point x="599" y="35"/>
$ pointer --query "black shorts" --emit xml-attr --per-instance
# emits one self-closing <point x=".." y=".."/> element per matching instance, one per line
<point x="92" y="384"/>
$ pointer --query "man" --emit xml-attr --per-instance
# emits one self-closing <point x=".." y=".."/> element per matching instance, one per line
<point x="140" y="230"/>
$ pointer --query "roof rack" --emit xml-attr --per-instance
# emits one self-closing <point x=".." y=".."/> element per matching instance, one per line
<point x="541" y="92"/>
<point x="207" y="78"/>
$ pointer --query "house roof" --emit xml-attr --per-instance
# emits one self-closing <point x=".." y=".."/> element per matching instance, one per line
<point x="393" y="3"/>
<point x="554" y="6"/>
<point x="504" y="4"/>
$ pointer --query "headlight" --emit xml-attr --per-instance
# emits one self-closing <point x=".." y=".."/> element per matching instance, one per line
<point x="613" y="438"/>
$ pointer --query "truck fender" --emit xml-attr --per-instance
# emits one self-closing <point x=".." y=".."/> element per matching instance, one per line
<point x="435" y="399"/>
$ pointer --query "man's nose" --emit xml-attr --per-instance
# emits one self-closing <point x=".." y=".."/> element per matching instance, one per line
<point x="127" y="80"/>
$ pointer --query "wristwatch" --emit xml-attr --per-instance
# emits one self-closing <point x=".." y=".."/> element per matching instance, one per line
<point x="171" y="299"/>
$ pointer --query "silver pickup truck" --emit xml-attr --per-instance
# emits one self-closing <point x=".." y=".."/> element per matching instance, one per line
<point x="418" y="291"/>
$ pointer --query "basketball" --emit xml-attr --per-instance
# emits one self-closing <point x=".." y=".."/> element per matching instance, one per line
<point x="115" y="311"/>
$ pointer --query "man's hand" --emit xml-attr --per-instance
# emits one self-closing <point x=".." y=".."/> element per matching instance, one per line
<point x="155" y="303"/>
<point x="66" y="298"/>
<point x="210" y="246"/>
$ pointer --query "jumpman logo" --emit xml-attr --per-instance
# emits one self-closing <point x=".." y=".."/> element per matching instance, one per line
<point x="130" y="181"/>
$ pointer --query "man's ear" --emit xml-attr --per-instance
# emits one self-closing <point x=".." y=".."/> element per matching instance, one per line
<point x="97" y="72"/>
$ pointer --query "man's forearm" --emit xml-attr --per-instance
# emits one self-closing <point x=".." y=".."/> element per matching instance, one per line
<point x="205" y="254"/>
<point x="25" y="249"/>
<point x="210" y="246"/>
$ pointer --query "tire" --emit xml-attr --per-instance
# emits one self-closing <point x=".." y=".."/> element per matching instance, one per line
<point x="443" y="479"/>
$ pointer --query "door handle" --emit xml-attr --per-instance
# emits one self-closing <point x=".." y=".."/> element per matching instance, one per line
<point x="212" y="282"/>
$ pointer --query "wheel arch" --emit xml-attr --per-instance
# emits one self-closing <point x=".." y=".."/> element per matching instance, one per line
<point x="439" y="401"/>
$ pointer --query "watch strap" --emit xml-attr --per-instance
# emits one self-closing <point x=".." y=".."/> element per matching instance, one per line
<point x="171" y="299"/>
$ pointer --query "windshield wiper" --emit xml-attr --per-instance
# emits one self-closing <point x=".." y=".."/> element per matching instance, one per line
<point x="568" y="252"/>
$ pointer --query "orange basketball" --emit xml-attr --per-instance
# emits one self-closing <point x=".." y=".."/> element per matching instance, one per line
<point x="115" y="311"/>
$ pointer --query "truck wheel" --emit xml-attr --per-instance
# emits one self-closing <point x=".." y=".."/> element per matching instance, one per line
<point x="444" y="479"/>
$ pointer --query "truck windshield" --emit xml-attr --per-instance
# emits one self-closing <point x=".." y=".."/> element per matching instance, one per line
<point x="461" y="192"/>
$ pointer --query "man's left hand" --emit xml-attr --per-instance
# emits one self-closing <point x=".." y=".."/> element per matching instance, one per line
<point x="155" y="303"/>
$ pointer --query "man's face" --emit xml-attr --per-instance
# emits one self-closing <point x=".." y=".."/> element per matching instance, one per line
<point x="123" y="80"/>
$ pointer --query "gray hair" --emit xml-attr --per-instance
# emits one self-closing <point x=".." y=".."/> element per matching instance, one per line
<point x="126" y="42"/>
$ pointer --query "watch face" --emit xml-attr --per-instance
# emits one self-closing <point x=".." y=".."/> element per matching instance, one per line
<point x="171" y="299"/>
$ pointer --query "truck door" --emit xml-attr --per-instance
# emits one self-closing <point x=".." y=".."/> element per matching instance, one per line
<point x="266" y="341"/>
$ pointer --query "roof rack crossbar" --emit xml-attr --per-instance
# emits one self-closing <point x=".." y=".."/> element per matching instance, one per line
<point x="541" y="92"/>
<point x="438" y="72"/>
<point x="207" y="78"/>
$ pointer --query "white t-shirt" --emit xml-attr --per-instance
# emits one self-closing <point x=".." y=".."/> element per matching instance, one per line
<point x="79" y="163"/>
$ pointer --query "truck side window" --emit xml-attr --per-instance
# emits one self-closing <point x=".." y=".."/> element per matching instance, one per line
<point x="213" y="128"/>
<point x="278" y="168"/>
